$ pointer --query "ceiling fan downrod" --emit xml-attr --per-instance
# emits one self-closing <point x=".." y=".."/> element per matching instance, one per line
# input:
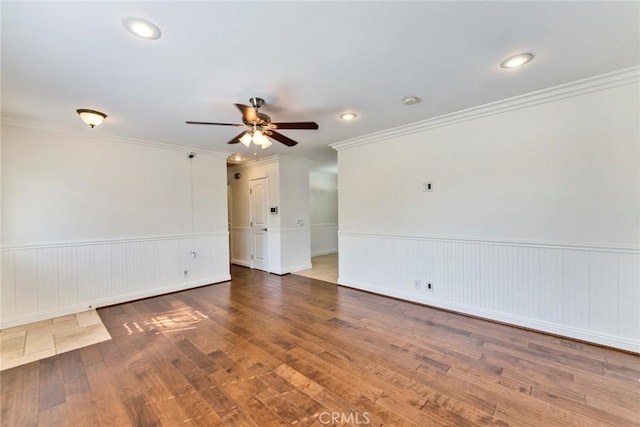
<point x="256" y="102"/>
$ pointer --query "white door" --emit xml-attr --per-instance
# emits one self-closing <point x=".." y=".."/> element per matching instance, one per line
<point x="258" y="207"/>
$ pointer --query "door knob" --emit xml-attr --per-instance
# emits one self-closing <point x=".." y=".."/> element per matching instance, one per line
<point x="264" y="229"/>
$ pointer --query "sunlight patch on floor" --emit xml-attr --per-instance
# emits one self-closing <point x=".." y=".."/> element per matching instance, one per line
<point x="169" y="321"/>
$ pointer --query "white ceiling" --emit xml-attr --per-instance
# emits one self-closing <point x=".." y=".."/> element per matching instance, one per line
<point x="309" y="60"/>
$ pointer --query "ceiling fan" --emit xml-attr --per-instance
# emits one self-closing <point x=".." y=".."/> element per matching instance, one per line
<point x="259" y="126"/>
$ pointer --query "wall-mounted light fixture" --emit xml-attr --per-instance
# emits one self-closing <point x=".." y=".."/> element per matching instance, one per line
<point x="91" y="117"/>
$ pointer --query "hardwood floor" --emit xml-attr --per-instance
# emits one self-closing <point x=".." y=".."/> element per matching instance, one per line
<point x="266" y="350"/>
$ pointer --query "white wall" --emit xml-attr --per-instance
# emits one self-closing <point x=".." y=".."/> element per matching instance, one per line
<point x="323" y="213"/>
<point x="288" y="189"/>
<point x="294" y="201"/>
<point x="90" y="220"/>
<point x="534" y="218"/>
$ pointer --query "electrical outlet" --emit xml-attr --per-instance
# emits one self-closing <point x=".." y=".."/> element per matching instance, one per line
<point x="417" y="285"/>
<point x="429" y="287"/>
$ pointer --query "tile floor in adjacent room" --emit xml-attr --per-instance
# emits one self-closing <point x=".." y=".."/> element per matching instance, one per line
<point x="325" y="268"/>
<point x="27" y="343"/>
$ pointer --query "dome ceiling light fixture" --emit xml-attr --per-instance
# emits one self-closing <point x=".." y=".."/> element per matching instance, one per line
<point x="91" y="117"/>
<point x="236" y="158"/>
<point x="142" y="28"/>
<point x="516" y="61"/>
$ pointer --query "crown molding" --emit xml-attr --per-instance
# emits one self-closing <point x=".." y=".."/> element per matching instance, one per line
<point x="105" y="136"/>
<point x="276" y="158"/>
<point x="602" y="82"/>
<point x="294" y="161"/>
<point x="327" y="174"/>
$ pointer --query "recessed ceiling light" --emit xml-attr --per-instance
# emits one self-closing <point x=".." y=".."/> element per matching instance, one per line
<point x="348" y="116"/>
<point x="410" y="100"/>
<point x="516" y="61"/>
<point x="142" y="28"/>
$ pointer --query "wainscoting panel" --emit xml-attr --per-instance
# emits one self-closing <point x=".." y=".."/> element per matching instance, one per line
<point x="588" y="293"/>
<point x="241" y="243"/>
<point x="629" y="296"/>
<point x="603" y="290"/>
<point x="8" y="299"/>
<point x="324" y="239"/>
<point x="26" y="274"/>
<point x="45" y="281"/>
<point x="575" y="292"/>
<point x="294" y="250"/>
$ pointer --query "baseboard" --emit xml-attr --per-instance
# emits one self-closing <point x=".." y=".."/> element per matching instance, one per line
<point x="241" y="262"/>
<point x="299" y="268"/>
<point x="292" y="269"/>
<point x="103" y="302"/>
<point x="538" y="325"/>
<point x="325" y="252"/>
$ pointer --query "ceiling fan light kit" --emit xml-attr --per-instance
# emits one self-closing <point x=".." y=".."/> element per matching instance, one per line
<point x="260" y="127"/>
<point x="255" y="136"/>
<point x="246" y="139"/>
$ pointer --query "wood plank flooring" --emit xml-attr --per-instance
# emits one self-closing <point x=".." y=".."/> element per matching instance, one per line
<point x="264" y="350"/>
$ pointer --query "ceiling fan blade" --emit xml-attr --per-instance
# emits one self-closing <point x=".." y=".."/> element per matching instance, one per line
<point x="237" y="138"/>
<point x="248" y="113"/>
<point x="213" y="123"/>
<point x="280" y="137"/>
<point x="295" y="125"/>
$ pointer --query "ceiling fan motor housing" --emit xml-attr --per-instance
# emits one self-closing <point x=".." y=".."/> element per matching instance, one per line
<point x="261" y="120"/>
